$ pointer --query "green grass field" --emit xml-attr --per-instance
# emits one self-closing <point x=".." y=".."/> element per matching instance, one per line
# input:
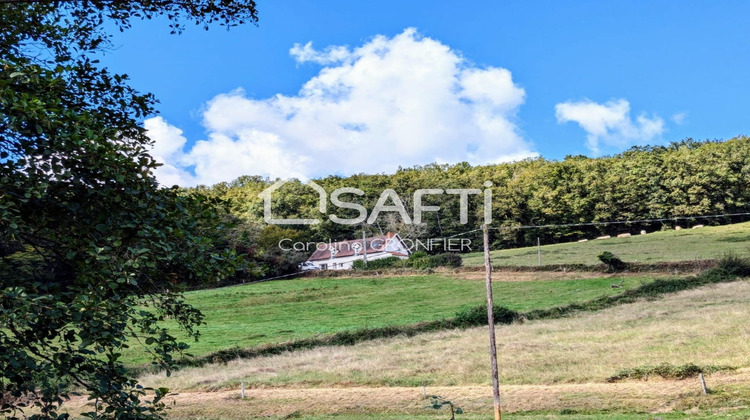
<point x="553" y="368"/>
<point x="275" y="312"/>
<point x="673" y="245"/>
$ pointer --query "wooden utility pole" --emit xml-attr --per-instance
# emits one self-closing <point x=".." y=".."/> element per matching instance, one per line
<point x="491" y="322"/>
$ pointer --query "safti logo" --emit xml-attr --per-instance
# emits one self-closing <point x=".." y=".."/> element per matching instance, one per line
<point x="397" y="205"/>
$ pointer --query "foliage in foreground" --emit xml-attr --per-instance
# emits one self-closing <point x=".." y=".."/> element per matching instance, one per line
<point x="93" y="251"/>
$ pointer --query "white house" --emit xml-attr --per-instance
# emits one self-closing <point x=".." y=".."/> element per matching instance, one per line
<point x="341" y="255"/>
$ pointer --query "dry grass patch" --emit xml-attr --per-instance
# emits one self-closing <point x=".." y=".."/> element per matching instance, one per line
<point x="707" y="326"/>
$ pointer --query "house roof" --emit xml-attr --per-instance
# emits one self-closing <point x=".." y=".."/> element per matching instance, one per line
<point x="375" y="244"/>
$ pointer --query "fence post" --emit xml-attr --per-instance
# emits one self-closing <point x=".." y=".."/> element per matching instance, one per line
<point x="703" y="384"/>
<point x="539" y="250"/>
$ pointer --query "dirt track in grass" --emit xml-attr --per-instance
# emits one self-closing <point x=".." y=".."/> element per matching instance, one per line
<point x="638" y="396"/>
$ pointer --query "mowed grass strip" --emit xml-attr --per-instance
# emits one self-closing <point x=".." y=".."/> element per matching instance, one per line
<point x="673" y="245"/>
<point x="274" y="312"/>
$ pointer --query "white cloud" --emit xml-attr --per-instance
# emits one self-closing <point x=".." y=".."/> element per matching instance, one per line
<point x="167" y="150"/>
<point x="679" y="118"/>
<point x="332" y="54"/>
<point x="400" y="101"/>
<point x="609" y="124"/>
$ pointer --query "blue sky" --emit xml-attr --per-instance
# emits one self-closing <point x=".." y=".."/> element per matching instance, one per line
<point x="479" y="81"/>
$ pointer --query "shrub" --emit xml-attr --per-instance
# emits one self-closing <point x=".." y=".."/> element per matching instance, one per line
<point x="421" y="263"/>
<point x="666" y="371"/>
<point x="731" y="266"/>
<point x="612" y="261"/>
<point x="447" y="259"/>
<point x="421" y="260"/>
<point x="417" y="255"/>
<point x="376" y="264"/>
<point x="418" y="259"/>
<point x="477" y="315"/>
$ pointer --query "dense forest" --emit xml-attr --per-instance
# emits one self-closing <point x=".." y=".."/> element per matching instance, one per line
<point x="686" y="178"/>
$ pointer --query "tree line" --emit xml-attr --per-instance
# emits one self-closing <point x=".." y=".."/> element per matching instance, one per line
<point x="683" y="179"/>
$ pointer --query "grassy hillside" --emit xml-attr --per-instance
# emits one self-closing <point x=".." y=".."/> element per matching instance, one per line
<point x="706" y="326"/>
<point x="274" y="312"/>
<point x="547" y="367"/>
<point x="672" y="245"/>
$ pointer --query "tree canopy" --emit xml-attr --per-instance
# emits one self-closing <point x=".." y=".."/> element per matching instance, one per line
<point x="682" y="179"/>
<point x="93" y="252"/>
